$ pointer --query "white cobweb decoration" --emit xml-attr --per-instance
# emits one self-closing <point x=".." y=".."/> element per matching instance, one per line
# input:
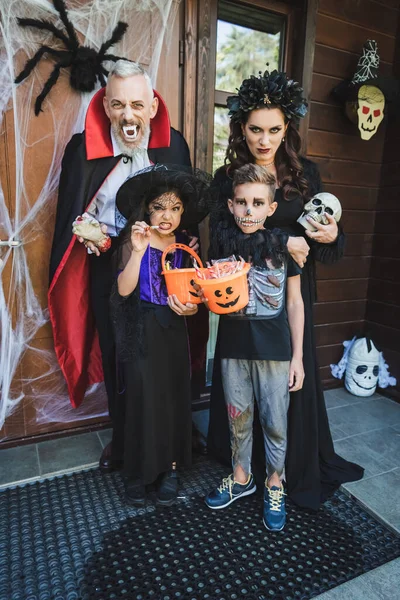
<point x="31" y="152"/>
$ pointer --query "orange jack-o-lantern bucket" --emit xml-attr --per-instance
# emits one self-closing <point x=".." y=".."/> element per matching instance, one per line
<point x="226" y="294"/>
<point x="180" y="281"/>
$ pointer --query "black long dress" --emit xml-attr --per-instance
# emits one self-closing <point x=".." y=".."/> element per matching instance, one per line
<point x="313" y="469"/>
<point x="154" y="372"/>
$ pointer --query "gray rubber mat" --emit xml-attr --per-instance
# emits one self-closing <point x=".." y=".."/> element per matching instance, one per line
<point x="74" y="538"/>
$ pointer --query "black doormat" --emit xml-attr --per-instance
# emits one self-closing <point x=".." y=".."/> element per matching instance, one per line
<point x="73" y="538"/>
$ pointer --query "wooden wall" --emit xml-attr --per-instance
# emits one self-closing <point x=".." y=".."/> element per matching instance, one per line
<point x="383" y="305"/>
<point x="351" y="169"/>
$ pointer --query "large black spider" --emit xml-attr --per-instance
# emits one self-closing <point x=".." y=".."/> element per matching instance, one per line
<point x="86" y="63"/>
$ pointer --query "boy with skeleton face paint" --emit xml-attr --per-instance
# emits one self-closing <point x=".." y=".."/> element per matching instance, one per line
<point x="261" y="345"/>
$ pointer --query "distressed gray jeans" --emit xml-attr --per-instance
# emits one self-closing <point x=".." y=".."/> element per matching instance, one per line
<point x="268" y="382"/>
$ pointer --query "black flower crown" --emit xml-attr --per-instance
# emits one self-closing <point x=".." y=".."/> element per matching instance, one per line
<point x="268" y="90"/>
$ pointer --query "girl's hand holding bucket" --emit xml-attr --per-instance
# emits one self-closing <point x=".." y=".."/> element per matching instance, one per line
<point x="183" y="310"/>
<point x="140" y="236"/>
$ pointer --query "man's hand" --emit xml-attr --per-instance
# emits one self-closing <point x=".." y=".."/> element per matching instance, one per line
<point x="183" y="310"/>
<point x="325" y="234"/>
<point x="91" y="247"/>
<point x="296" y="375"/>
<point x="298" y="249"/>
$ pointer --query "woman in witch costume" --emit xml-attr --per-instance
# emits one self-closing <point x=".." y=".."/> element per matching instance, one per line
<point x="152" y="345"/>
<point x="263" y="130"/>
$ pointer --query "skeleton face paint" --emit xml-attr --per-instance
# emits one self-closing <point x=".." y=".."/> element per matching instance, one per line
<point x="362" y="368"/>
<point x="251" y="205"/>
<point x="371" y="104"/>
<point x="316" y="209"/>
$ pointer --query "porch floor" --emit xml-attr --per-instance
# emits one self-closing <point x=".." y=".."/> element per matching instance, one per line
<point x="366" y="431"/>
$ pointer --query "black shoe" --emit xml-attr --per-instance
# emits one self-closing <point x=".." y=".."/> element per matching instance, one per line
<point x="108" y="464"/>
<point x="168" y="489"/>
<point x="135" y="492"/>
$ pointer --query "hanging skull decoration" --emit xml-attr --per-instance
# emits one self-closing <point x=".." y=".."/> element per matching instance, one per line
<point x="365" y="95"/>
<point x="371" y="104"/>
<point x="362" y="369"/>
<point x="317" y="208"/>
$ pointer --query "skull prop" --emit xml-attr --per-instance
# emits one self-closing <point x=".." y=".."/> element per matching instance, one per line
<point x="362" y="369"/>
<point x="317" y="207"/>
<point x="371" y="104"/>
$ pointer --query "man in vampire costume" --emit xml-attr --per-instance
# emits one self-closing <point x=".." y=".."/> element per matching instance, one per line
<point x="127" y="128"/>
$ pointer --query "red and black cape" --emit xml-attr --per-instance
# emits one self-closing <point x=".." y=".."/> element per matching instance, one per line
<point x="87" y="162"/>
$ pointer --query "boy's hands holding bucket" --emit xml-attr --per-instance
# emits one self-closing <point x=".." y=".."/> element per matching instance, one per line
<point x="183" y="310"/>
<point x="140" y="236"/>
<point x="200" y="294"/>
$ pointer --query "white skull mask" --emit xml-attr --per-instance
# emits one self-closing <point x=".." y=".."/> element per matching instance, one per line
<point x="362" y="369"/>
<point x="317" y="207"/>
<point x="371" y="104"/>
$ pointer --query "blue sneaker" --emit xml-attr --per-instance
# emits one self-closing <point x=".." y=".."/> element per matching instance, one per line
<point x="274" y="516"/>
<point x="229" y="491"/>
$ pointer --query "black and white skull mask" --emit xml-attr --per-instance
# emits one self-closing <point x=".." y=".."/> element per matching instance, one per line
<point x="362" y="369"/>
<point x="316" y="208"/>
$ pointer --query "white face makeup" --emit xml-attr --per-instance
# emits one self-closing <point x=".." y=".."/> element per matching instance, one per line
<point x="251" y="206"/>
<point x="264" y="131"/>
<point x="129" y="104"/>
<point x="165" y="213"/>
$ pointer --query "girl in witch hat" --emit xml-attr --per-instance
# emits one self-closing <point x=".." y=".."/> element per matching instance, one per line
<point x="152" y="346"/>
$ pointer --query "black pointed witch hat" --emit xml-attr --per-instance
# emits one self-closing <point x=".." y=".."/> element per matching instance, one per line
<point x="367" y="73"/>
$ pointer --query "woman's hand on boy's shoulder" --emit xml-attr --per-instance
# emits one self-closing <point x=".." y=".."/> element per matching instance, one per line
<point x="183" y="310"/>
<point x="140" y="236"/>
<point x="296" y="374"/>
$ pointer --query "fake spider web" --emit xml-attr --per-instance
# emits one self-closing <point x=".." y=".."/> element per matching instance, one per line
<point x="31" y="384"/>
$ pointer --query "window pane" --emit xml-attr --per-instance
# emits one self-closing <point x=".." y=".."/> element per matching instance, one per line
<point x="221" y="134"/>
<point x="242" y="52"/>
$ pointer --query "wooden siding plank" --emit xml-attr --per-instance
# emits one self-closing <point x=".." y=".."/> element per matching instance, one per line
<point x="358" y="221"/>
<point x="366" y="14"/>
<point x="322" y="86"/>
<point x="346" y="171"/>
<point x="387" y="222"/>
<point x="391" y="173"/>
<point x="358" y="244"/>
<point x="387" y="245"/>
<point x="340" y="63"/>
<point x="342" y="289"/>
<point x="335" y="333"/>
<point x="339" y="312"/>
<point x="384" y="337"/>
<point x="385" y="268"/>
<point x="326" y="117"/>
<point x="380" y="289"/>
<point x="345" y="36"/>
<point x="383" y="313"/>
<point x="354" y="197"/>
<point x="331" y="145"/>
<point x="347" y="268"/>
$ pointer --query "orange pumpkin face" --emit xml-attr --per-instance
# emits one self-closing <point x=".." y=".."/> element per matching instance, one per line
<point x="190" y="291"/>
<point x="226" y="294"/>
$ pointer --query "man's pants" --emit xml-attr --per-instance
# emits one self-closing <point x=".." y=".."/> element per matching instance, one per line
<point x="101" y="281"/>
<point x="268" y="382"/>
